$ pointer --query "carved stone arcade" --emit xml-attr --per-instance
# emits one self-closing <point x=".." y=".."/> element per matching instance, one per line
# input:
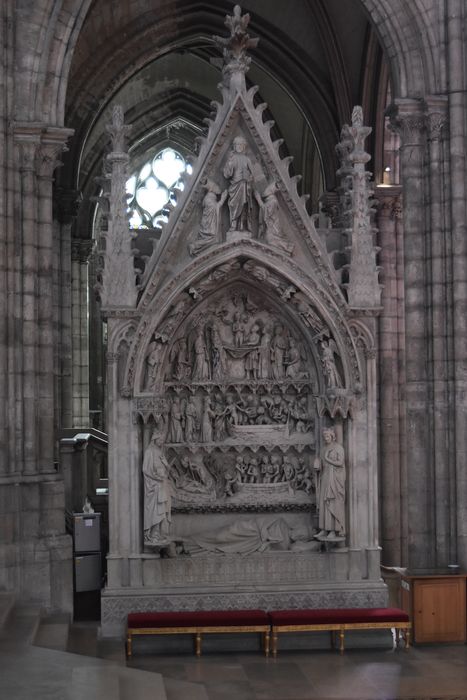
<point x="242" y="398"/>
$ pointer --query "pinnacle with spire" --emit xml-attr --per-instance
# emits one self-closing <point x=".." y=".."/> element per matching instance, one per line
<point x="234" y="49"/>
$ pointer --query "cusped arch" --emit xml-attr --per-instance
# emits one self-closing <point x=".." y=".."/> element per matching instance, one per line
<point x="306" y="297"/>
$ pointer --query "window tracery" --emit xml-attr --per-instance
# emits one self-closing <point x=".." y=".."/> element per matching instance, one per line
<point x="153" y="186"/>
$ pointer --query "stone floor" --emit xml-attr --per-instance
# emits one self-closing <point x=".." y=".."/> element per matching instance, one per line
<point x="423" y="673"/>
<point x="52" y="661"/>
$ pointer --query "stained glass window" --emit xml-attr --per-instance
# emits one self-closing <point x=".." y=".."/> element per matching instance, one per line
<point x="153" y="186"/>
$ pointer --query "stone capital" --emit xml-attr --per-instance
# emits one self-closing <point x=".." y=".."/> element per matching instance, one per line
<point x="408" y="119"/>
<point x="66" y="204"/>
<point x="28" y="138"/>
<point x="436" y="107"/>
<point x="389" y="201"/>
<point x="40" y="146"/>
<point x="81" y="249"/>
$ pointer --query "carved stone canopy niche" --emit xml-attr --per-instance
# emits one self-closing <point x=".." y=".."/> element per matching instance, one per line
<point x="232" y="379"/>
<point x="243" y="405"/>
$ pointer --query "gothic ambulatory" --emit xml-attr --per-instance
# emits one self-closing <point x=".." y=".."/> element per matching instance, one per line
<point x="243" y="424"/>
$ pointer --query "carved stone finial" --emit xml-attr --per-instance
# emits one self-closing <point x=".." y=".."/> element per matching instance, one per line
<point x="118" y="287"/>
<point x="363" y="289"/>
<point x="234" y="49"/>
<point x="118" y="130"/>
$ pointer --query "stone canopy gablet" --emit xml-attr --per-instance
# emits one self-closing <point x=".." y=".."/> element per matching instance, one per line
<point x="241" y="370"/>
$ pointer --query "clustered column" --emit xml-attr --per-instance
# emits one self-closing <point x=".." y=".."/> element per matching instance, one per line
<point x="80" y="252"/>
<point x="411" y="123"/>
<point x="391" y="370"/>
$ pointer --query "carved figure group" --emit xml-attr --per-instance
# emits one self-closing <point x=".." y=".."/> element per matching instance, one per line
<point x="191" y="476"/>
<point x="240" y="194"/>
<point x="221" y="417"/>
<point x="183" y="421"/>
<point x="244" y="346"/>
<point x="270" y="469"/>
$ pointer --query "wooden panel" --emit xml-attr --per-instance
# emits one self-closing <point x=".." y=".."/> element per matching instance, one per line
<point x="439" y="610"/>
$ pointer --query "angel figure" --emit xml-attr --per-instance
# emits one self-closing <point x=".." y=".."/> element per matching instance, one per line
<point x="331" y="373"/>
<point x="210" y="219"/>
<point x="294" y="361"/>
<point x="269" y="221"/>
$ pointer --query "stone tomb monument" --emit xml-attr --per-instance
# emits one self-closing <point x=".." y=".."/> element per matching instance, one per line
<point x="241" y="378"/>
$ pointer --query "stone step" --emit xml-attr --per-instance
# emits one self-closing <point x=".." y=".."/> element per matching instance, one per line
<point x="21" y="624"/>
<point x="53" y="632"/>
<point x="7" y="602"/>
<point x="115" y="683"/>
<point x="43" y="674"/>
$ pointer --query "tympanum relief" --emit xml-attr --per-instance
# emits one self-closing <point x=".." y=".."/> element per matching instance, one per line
<point x="237" y="426"/>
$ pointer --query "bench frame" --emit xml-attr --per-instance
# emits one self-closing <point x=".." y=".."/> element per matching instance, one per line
<point x="400" y="627"/>
<point x="198" y="631"/>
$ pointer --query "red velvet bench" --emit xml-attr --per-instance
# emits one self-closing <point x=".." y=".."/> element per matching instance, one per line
<point x="198" y="622"/>
<point x="339" y="620"/>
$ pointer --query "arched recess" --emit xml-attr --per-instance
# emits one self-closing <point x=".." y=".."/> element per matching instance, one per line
<point x="271" y="269"/>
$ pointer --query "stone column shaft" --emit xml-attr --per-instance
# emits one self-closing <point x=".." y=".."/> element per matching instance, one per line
<point x="45" y="314"/>
<point x="28" y="148"/>
<point x="410" y="120"/>
<point x="65" y="326"/>
<point x="80" y="333"/>
<point x="7" y="456"/>
<point x="438" y="359"/>
<point x="389" y="368"/>
<point x="457" y="106"/>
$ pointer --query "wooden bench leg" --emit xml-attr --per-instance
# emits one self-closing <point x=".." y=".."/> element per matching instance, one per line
<point x="333" y="639"/>
<point x="128" y="645"/>
<point x="341" y="641"/>
<point x="407" y="638"/>
<point x="266" y="642"/>
<point x="198" y="644"/>
<point x="274" y="643"/>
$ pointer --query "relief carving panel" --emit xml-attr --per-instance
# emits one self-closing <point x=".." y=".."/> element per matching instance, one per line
<point x="233" y="420"/>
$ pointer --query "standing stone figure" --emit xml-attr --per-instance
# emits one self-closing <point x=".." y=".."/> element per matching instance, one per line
<point x="176" y="421"/>
<point x="269" y="221"/>
<point x="157" y="496"/>
<point x="331" y="373"/>
<point x="201" y="359"/>
<point x="210" y="219"/>
<point x="191" y="420"/>
<point x="206" y="421"/>
<point x="179" y="360"/>
<point x="279" y="345"/>
<point x="218" y="358"/>
<point x="239" y="171"/>
<point x="330" y="467"/>
<point x="153" y="361"/>
<point x="265" y="354"/>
